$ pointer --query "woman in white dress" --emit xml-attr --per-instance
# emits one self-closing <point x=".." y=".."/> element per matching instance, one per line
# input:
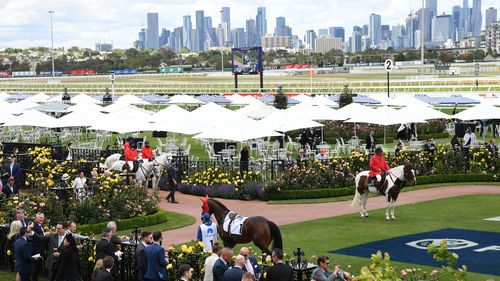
<point x="80" y="185"/>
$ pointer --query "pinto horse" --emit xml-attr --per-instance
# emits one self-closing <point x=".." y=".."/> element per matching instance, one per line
<point x="395" y="180"/>
<point x="258" y="229"/>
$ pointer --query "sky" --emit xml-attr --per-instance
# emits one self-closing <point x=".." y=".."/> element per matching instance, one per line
<point x="82" y="23"/>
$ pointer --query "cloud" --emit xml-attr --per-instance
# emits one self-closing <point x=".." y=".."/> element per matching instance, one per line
<point x="26" y="23"/>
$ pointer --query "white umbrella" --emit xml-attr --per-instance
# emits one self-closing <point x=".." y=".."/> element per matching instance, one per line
<point x="184" y="99"/>
<point x="33" y="118"/>
<point x="236" y="131"/>
<point x="282" y="122"/>
<point x="479" y="112"/>
<point x="423" y="112"/>
<point x="81" y="118"/>
<point x="131" y="99"/>
<point x="321" y="100"/>
<point x="303" y="98"/>
<point x="40" y="97"/>
<point x="85" y="106"/>
<point x="256" y="111"/>
<point x="352" y="110"/>
<point x="83" y="98"/>
<point x="402" y="100"/>
<point x="5" y="116"/>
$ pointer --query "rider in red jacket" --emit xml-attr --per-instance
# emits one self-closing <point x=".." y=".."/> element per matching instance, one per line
<point x="147" y="152"/>
<point x="378" y="167"/>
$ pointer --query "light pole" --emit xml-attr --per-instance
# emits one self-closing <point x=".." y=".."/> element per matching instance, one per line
<point x="222" y="60"/>
<point x="52" y="44"/>
<point x="422" y="11"/>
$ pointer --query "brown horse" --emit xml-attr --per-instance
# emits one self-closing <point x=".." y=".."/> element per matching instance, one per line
<point x="258" y="229"/>
<point x="395" y="181"/>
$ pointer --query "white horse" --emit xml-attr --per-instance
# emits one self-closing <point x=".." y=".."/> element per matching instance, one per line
<point x="110" y="160"/>
<point x="146" y="170"/>
<point x="394" y="182"/>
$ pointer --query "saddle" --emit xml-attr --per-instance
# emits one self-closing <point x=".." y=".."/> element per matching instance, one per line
<point x="134" y="169"/>
<point x="372" y="182"/>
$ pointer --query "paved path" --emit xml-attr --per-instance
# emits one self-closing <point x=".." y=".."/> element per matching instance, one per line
<point x="292" y="213"/>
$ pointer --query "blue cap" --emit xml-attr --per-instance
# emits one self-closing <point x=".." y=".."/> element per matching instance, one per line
<point x="205" y="217"/>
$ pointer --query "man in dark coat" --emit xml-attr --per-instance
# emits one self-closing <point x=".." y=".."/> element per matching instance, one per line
<point x="37" y="245"/>
<point x="22" y="254"/>
<point x="156" y="261"/>
<point x="371" y="142"/>
<point x="105" y="247"/>
<point x="105" y="273"/>
<point x="236" y="272"/>
<point x="140" y="259"/>
<point x="279" y="271"/>
<point x="220" y="266"/>
<point x="14" y="170"/>
<point x="173" y="180"/>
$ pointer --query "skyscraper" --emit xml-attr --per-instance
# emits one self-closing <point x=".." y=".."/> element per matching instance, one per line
<point x="432" y="5"/>
<point x="142" y="39"/>
<point x="397" y="36"/>
<point x="239" y="37"/>
<point x="442" y="29"/>
<point x="152" y="33"/>
<point x="476" y="18"/>
<point x="250" y="25"/>
<point x="337" y="32"/>
<point x="375" y="29"/>
<point x="199" y="45"/>
<point x="356" y="41"/>
<point x="225" y="25"/>
<point x="411" y="27"/>
<point x="210" y="36"/>
<point x="165" y="34"/>
<point x="491" y="16"/>
<point x="456" y="14"/>
<point x="280" y="25"/>
<point x="466" y="18"/>
<point x="187" y="33"/>
<point x="311" y="40"/>
<point x="260" y="24"/>
<point x="427" y="24"/>
<point x="322" y="32"/>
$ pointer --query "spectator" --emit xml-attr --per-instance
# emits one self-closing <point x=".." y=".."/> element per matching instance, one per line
<point x="248" y="277"/>
<point x="492" y="147"/>
<point x="14" y="170"/>
<point x="321" y="156"/>
<point x="65" y="181"/>
<point x="207" y="232"/>
<point x="37" y="245"/>
<point x="55" y="245"/>
<point x="98" y="266"/>
<point x="13" y="235"/>
<point x="236" y="272"/>
<point x="186" y="272"/>
<point x="430" y="146"/>
<point x="10" y="188"/>
<point x="469" y="138"/>
<point x="251" y="264"/>
<point x="279" y="271"/>
<point x="244" y="158"/>
<point x="104" y="247"/>
<point x="21" y="216"/>
<point x="4" y="172"/>
<point x="455" y="143"/>
<point x="356" y="150"/>
<point x="220" y="265"/>
<point x="156" y="261"/>
<point x="173" y="180"/>
<point x="302" y="157"/>
<point x="371" y="142"/>
<point x="105" y="273"/>
<point x="68" y="261"/>
<point x="210" y="261"/>
<point x="22" y="255"/>
<point x="114" y="237"/>
<point x="80" y="184"/>
<point x="72" y="230"/>
<point x="321" y="273"/>
<point x="398" y="150"/>
<point x="69" y="152"/>
<point x="140" y="259"/>
<point x="147" y="153"/>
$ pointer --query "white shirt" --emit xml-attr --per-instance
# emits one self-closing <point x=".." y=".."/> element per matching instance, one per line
<point x="249" y="267"/>
<point x="472" y="137"/>
<point x="80" y="183"/>
<point x="60" y="240"/>
<point x="209" y="265"/>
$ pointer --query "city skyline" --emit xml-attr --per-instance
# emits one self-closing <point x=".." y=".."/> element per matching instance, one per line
<point x="25" y="23"/>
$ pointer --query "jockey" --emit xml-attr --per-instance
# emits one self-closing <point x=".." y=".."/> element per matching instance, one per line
<point x="207" y="232"/>
<point x="378" y="167"/>
<point x="147" y="152"/>
<point x="130" y="154"/>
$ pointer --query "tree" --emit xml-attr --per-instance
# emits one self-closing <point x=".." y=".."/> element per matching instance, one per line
<point x="345" y="96"/>
<point x="280" y="101"/>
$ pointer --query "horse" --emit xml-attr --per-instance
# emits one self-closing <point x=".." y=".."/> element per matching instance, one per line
<point x="258" y="230"/>
<point x="395" y="181"/>
<point x="152" y="168"/>
<point x="110" y="160"/>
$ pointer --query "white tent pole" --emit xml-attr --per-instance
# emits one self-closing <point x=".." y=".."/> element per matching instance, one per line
<point x="385" y="135"/>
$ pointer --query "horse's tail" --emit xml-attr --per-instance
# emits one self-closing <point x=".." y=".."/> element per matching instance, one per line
<point x="275" y="235"/>
<point x="356" y="200"/>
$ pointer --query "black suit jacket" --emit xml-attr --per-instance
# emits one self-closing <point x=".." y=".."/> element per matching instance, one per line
<point x="105" y="248"/>
<point x="279" y="272"/>
<point x="8" y="193"/>
<point x="218" y="271"/>
<point x="67" y="265"/>
<point x="22" y="254"/>
<point x="369" y="142"/>
<point x="104" y="275"/>
<point x="38" y="244"/>
<point x="140" y="261"/>
<point x="52" y="242"/>
<point x="233" y="274"/>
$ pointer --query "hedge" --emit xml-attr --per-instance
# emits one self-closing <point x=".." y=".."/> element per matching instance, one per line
<point x="336" y="192"/>
<point x="160" y="216"/>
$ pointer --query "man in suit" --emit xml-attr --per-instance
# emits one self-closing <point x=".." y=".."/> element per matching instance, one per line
<point x="251" y="264"/>
<point x="37" y="245"/>
<point x="140" y="259"/>
<point x="371" y="142"/>
<point x="186" y="272"/>
<point x="236" y="272"/>
<point x="21" y="216"/>
<point x="173" y="180"/>
<point x="220" y="265"/>
<point x="105" y="247"/>
<point x="54" y="247"/>
<point x="22" y="253"/>
<point x="105" y="273"/>
<point x="279" y="271"/>
<point x="10" y="188"/>
<point x="155" y="260"/>
<point x="14" y="170"/>
<point x="72" y="230"/>
<point x="321" y="272"/>
<point x="492" y="147"/>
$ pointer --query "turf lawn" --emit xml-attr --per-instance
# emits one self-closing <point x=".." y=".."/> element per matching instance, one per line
<point x="320" y="236"/>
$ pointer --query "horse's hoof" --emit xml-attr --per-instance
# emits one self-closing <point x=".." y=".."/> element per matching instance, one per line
<point x="387" y="218"/>
<point x="362" y="215"/>
<point x="393" y="218"/>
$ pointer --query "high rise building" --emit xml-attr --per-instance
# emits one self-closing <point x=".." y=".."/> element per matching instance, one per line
<point x="261" y="23"/>
<point x="277" y="42"/>
<point x="476" y="18"/>
<point x="356" y="41"/>
<point x="466" y="18"/>
<point x="280" y="25"/>
<point x="442" y="29"/>
<point x="492" y="36"/>
<point x="152" y="33"/>
<point x="164" y="36"/>
<point x="199" y="45"/>
<point x="337" y="32"/>
<point x="251" y="36"/>
<point x="375" y="29"/>
<point x="398" y="37"/>
<point x="328" y="43"/>
<point x="187" y="33"/>
<point x="411" y="27"/>
<point x="322" y="32"/>
<point x="175" y="41"/>
<point x="142" y="39"/>
<point x="427" y="14"/>
<point x="456" y="14"/>
<point x="311" y="40"/>
<point x="386" y="33"/>
<point x="225" y="19"/>
<point x="239" y="37"/>
<point x="357" y="28"/>
<point x="491" y="16"/>
<point x="432" y="5"/>
<point x="210" y="37"/>
<point x="365" y="30"/>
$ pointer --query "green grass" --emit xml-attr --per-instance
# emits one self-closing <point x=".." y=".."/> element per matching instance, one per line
<point x="175" y="220"/>
<point x="349" y="197"/>
<point x="319" y="236"/>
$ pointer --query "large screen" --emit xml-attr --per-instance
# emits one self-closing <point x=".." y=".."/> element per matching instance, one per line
<point x="247" y="61"/>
